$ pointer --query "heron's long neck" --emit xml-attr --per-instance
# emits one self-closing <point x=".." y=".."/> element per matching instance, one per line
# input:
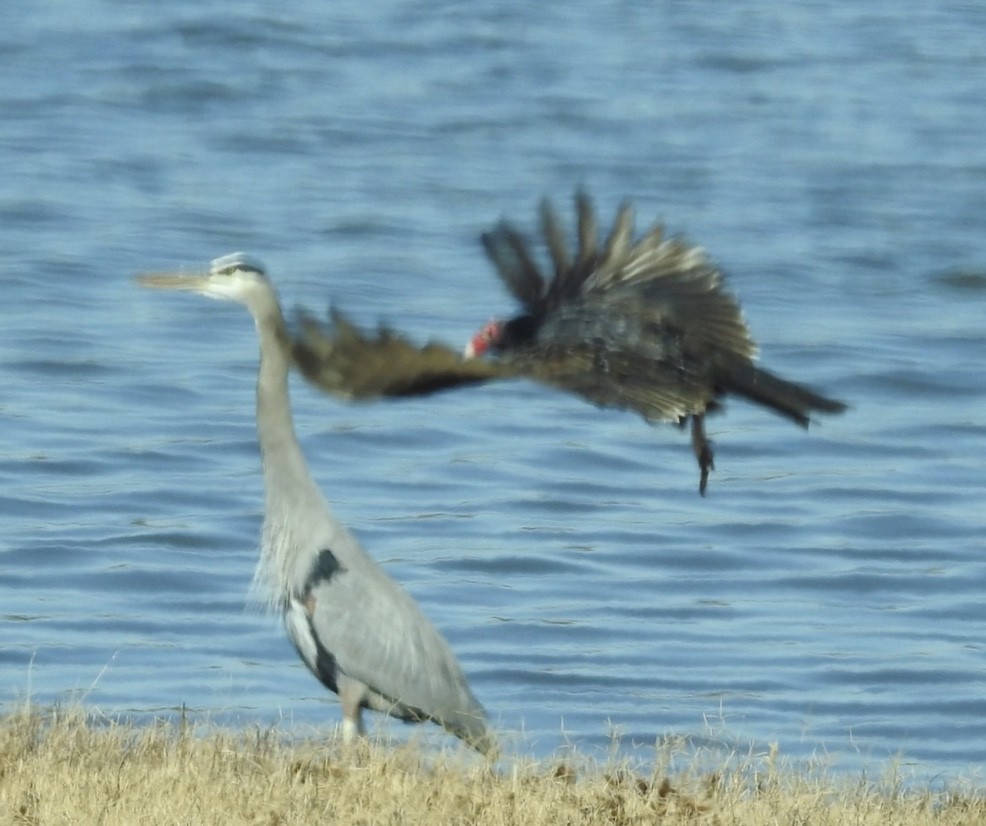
<point x="293" y="500"/>
<point x="285" y="471"/>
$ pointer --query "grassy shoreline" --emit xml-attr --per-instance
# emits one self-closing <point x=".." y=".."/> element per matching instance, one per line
<point x="62" y="766"/>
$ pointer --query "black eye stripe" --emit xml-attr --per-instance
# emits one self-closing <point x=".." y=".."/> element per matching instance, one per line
<point x="242" y="268"/>
<point x="228" y="264"/>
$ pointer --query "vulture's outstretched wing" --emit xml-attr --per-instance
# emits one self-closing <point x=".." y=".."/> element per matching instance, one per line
<point x="344" y="361"/>
<point x="348" y="363"/>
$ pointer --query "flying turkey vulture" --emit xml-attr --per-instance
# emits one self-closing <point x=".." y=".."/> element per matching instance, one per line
<point x="643" y="325"/>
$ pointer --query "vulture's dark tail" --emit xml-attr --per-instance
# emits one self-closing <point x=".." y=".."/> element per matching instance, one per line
<point x="795" y="401"/>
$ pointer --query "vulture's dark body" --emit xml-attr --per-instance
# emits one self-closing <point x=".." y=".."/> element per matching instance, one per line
<point x="643" y="325"/>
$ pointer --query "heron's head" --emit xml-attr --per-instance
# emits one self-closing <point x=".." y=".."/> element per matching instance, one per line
<point x="234" y="277"/>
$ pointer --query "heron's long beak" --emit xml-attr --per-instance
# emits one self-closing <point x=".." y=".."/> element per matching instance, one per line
<point x="188" y="282"/>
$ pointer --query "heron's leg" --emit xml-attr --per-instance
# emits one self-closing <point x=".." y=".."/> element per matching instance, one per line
<point x="351" y="695"/>
<point x="703" y="450"/>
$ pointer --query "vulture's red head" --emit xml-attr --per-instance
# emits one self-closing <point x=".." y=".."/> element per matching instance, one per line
<point x="487" y="339"/>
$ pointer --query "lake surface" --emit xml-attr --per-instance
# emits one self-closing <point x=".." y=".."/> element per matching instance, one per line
<point x="827" y="596"/>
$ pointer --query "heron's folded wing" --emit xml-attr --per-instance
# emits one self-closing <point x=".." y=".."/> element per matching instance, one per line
<point x="374" y="632"/>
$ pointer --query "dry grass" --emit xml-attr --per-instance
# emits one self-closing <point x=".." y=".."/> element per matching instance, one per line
<point x="61" y="768"/>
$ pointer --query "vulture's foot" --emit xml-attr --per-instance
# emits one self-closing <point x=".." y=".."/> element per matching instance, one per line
<point x="703" y="451"/>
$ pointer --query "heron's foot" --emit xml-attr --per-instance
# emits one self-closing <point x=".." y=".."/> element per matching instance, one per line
<point x="703" y="452"/>
<point x="351" y="730"/>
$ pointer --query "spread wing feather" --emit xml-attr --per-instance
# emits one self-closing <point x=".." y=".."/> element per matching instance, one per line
<point x="554" y="237"/>
<point x="508" y="251"/>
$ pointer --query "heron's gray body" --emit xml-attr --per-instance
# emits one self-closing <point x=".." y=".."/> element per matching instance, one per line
<point x="358" y="631"/>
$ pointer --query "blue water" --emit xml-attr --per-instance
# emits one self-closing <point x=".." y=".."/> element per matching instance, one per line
<point x="827" y="596"/>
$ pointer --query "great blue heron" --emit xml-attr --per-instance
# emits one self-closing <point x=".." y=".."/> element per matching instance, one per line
<point x="643" y="325"/>
<point x="361" y="634"/>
